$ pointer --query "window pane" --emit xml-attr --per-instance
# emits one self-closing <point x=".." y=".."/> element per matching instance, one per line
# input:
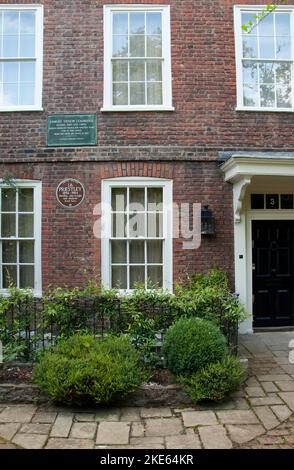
<point x="155" y="225"/>
<point x="137" y="276"/>
<point x="8" y="200"/>
<point x="249" y="72"/>
<point x="154" y="196"/>
<point x="26" y="200"/>
<point x="10" y="46"/>
<point x="284" y="98"/>
<point x="119" y="222"/>
<point x="10" y="20"/>
<point x="137" y="23"/>
<point x="27" y="22"/>
<point x="120" y="23"/>
<point x="119" y="277"/>
<point x="137" y="46"/>
<point x="25" y="226"/>
<point x="118" y="252"/>
<point x="153" y="21"/>
<point x="137" y="252"/>
<point x="283" y="48"/>
<point x="250" y="95"/>
<point x="10" y="94"/>
<point x="267" y="72"/>
<point x="120" y="46"/>
<point x="246" y="17"/>
<point x="120" y="71"/>
<point x="267" y="96"/>
<point x="137" y="70"/>
<point x="26" y="94"/>
<point x="283" y="73"/>
<point x="154" y="251"/>
<point x="287" y="201"/>
<point x="154" y="47"/>
<point x="26" y="252"/>
<point x="272" y="201"/>
<point x="137" y="199"/>
<point x="8" y="225"/>
<point x="27" y="72"/>
<point x="27" y="46"/>
<point x="154" y="93"/>
<point x="26" y="277"/>
<point x="282" y="24"/>
<point x="10" y="72"/>
<point x="120" y="94"/>
<point x="137" y="93"/>
<point x="257" y="201"/>
<point x="266" y="48"/>
<point x="118" y="199"/>
<point x="137" y="225"/>
<point x="266" y="26"/>
<point x="154" y="276"/>
<point x="249" y="46"/>
<point x="9" y="276"/>
<point x="154" y="71"/>
<point x="9" y="252"/>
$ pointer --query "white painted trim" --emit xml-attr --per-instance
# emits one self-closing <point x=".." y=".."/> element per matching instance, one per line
<point x="238" y="10"/>
<point x="167" y="185"/>
<point x="166" y="54"/>
<point x="37" y="186"/>
<point x="39" y="37"/>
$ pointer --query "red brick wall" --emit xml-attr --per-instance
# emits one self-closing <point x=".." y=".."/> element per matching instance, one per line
<point x="68" y="245"/>
<point x="204" y="88"/>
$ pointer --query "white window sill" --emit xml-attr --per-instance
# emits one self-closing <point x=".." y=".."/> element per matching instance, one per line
<point x="17" y="109"/>
<point x="36" y="294"/>
<point x="266" y="110"/>
<point x="114" y="109"/>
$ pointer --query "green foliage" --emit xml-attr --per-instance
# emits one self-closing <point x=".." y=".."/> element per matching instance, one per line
<point x="82" y="369"/>
<point x="269" y="8"/>
<point x="191" y="343"/>
<point x="215" y="381"/>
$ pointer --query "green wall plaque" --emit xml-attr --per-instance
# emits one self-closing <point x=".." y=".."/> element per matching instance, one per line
<point x="70" y="130"/>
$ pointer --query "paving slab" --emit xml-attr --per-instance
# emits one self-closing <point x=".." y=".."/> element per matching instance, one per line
<point x="111" y="432"/>
<point x="215" y="437"/>
<point x="255" y="392"/>
<point x="282" y="412"/>
<point x="30" y="441"/>
<point x="62" y="425"/>
<point x="8" y="430"/>
<point x="85" y="417"/>
<point x="184" y="441"/>
<point x="130" y="414"/>
<point x="17" y="414"/>
<point x="199" y="418"/>
<point x="83" y="430"/>
<point x="163" y="427"/>
<point x="241" y="434"/>
<point x="270" y="387"/>
<point x="237" y="417"/>
<point x="44" y="417"/>
<point x="57" y="443"/>
<point x="107" y="414"/>
<point x="160" y="412"/>
<point x="286" y="386"/>
<point x="266" y="401"/>
<point x="266" y="416"/>
<point x="288" y="398"/>
<point x="35" y="428"/>
<point x="137" y="429"/>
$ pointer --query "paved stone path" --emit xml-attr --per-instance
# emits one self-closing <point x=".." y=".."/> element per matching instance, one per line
<point x="260" y="415"/>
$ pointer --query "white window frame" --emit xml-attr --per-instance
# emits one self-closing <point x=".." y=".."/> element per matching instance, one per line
<point x="238" y="10"/>
<point x="37" y="186"/>
<point x="167" y="186"/>
<point x="39" y="9"/>
<point x="166" y="53"/>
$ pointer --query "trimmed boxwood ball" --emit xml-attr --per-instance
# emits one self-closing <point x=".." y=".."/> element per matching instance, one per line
<point x="82" y="369"/>
<point x="216" y="381"/>
<point x="191" y="343"/>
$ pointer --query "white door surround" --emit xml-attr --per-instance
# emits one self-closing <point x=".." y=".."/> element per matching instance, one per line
<point x="254" y="172"/>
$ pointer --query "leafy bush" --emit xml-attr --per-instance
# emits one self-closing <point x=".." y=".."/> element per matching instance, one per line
<point x="215" y="381"/>
<point x="191" y="343"/>
<point x="82" y="369"/>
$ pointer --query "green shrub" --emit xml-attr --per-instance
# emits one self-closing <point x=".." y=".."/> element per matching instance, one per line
<point x="191" y="343"/>
<point x="215" y="381"/>
<point x="82" y="369"/>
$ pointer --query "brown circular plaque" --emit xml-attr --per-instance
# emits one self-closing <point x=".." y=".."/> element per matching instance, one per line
<point x="70" y="193"/>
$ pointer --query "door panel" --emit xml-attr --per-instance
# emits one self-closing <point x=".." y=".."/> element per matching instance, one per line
<point x="273" y="272"/>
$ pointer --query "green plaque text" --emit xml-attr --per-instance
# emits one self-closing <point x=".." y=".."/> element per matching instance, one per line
<point x="68" y="130"/>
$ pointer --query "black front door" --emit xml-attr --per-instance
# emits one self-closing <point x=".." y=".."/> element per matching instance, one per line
<point x="273" y="263"/>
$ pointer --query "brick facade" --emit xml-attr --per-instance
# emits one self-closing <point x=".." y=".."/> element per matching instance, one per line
<point x="182" y="145"/>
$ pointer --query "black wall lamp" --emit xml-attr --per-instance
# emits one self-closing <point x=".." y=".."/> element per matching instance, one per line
<point x="207" y="221"/>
